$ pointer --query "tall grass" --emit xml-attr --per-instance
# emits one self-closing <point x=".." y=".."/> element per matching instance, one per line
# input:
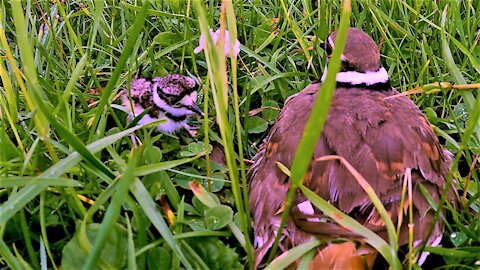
<point x="75" y="189"/>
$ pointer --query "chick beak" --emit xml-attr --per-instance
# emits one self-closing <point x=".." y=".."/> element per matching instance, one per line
<point x="196" y="109"/>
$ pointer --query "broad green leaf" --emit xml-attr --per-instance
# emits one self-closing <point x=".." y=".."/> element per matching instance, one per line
<point x="114" y="253"/>
<point x="218" y="181"/>
<point x="209" y="200"/>
<point x="270" y="109"/>
<point x="152" y="154"/>
<point x="215" y="253"/>
<point x="159" y="258"/>
<point x="167" y="38"/>
<point x="183" y="179"/>
<point x="458" y="238"/>
<point x="218" y="217"/>
<point x="257" y="125"/>
<point x="195" y="148"/>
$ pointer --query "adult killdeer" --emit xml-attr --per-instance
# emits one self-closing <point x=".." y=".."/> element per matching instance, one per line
<point x="172" y="98"/>
<point x="383" y="138"/>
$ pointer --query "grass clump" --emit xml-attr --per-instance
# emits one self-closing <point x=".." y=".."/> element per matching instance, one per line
<point x="76" y="192"/>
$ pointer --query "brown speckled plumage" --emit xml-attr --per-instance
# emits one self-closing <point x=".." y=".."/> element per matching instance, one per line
<point x="383" y="138"/>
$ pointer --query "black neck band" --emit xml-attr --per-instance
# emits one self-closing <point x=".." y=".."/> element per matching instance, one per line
<point x="381" y="86"/>
<point x="174" y="118"/>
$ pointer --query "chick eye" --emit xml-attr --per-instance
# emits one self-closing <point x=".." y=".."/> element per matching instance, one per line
<point x="179" y="103"/>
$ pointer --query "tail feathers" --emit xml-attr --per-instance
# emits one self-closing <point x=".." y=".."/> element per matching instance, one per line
<point x="344" y="256"/>
<point x="262" y="250"/>
<point x="434" y="242"/>
<point x="264" y="238"/>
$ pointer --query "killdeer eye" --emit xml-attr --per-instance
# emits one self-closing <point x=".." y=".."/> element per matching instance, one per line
<point x="328" y="49"/>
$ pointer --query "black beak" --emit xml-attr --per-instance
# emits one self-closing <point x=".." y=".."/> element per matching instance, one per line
<point x="196" y="109"/>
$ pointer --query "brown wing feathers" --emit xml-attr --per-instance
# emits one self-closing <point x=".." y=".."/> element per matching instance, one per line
<point x="385" y="139"/>
<point x="365" y="133"/>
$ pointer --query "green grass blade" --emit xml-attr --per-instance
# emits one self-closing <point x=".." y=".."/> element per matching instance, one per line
<point x="217" y="71"/>
<point x="113" y="210"/>
<point x="296" y="31"/>
<point x="151" y="210"/>
<point x="9" y="93"/>
<point x="132" y="263"/>
<point x="59" y="56"/>
<point x="207" y="200"/>
<point x="242" y="185"/>
<point x="21" y="198"/>
<point x="290" y="256"/>
<point x="455" y="72"/>
<point x="71" y="138"/>
<point x="392" y="236"/>
<point x="343" y="219"/>
<point x="315" y="122"/>
<point x="126" y="53"/>
<point x="162" y="166"/>
<point x="13" y="181"/>
<point x="29" y="69"/>
<point x="9" y="257"/>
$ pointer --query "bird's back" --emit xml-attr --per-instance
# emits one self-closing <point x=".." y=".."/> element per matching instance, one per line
<point x="382" y="137"/>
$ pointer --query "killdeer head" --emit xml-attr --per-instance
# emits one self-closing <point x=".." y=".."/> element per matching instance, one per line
<point x="360" y="61"/>
<point x="172" y="98"/>
<point x="388" y="141"/>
